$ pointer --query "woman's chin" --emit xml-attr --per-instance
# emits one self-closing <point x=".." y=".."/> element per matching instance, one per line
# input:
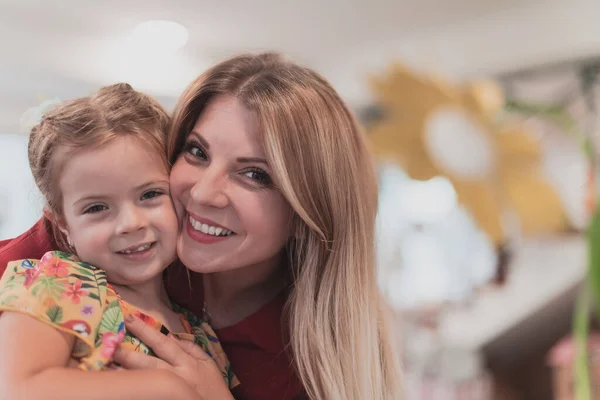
<point x="195" y="258"/>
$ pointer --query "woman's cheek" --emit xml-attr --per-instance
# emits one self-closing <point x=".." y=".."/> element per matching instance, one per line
<point x="176" y="192"/>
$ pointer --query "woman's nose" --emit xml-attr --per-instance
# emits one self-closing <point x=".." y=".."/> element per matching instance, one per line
<point x="209" y="189"/>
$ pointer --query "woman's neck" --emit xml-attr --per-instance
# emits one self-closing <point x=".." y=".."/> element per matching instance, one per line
<point x="231" y="296"/>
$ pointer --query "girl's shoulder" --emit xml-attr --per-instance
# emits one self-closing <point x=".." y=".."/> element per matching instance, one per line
<point x="58" y="290"/>
<point x="71" y="296"/>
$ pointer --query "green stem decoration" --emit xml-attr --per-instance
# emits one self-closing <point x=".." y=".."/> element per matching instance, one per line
<point x="580" y="334"/>
<point x="591" y="288"/>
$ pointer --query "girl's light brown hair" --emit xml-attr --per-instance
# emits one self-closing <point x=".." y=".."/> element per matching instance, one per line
<point x="339" y="336"/>
<point x="85" y="122"/>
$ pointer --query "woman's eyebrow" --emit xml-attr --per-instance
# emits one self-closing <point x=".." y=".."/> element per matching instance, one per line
<point x="252" y="160"/>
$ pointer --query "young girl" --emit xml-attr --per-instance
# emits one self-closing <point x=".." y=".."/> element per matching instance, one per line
<point x="101" y="164"/>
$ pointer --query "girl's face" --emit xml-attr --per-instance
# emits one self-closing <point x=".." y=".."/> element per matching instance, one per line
<point x="118" y="214"/>
<point x="233" y="215"/>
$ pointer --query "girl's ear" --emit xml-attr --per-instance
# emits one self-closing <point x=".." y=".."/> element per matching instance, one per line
<point x="59" y="221"/>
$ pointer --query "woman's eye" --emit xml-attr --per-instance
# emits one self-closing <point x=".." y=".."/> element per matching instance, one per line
<point x="259" y="176"/>
<point x="95" y="209"/>
<point x="195" y="150"/>
<point x="151" y="194"/>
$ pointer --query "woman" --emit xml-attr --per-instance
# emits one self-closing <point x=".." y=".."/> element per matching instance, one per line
<point x="276" y="193"/>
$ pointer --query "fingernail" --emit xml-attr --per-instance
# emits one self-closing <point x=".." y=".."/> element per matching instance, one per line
<point x="129" y="318"/>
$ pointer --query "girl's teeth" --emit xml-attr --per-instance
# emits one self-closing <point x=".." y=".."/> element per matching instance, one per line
<point x="141" y="248"/>
<point x="209" y="230"/>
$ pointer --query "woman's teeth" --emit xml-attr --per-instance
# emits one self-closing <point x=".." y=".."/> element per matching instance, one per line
<point x="208" y="229"/>
<point x="141" y="248"/>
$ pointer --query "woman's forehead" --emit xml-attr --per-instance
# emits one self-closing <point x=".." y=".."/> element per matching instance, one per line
<point x="227" y="124"/>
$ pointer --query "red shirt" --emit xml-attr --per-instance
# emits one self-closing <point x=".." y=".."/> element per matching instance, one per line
<point x="255" y="345"/>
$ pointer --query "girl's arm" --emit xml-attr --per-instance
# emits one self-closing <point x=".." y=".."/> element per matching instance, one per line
<point x="33" y="365"/>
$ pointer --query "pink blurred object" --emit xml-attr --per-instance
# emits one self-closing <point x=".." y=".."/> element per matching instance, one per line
<point x="477" y="388"/>
<point x="561" y="358"/>
<point x="435" y="372"/>
<point x="563" y="352"/>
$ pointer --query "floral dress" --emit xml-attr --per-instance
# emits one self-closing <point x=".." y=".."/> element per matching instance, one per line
<point x="75" y="297"/>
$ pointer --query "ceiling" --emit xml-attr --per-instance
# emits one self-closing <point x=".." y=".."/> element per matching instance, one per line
<point x="67" y="48"/>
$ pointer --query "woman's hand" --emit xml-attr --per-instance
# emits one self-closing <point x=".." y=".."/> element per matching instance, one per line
<point x="183" y="358"/>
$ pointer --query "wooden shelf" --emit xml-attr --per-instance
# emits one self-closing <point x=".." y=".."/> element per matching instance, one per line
<point x="542" y="271"/>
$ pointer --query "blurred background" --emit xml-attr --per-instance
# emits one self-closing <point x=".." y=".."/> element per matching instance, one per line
<point x="477" y="111"/>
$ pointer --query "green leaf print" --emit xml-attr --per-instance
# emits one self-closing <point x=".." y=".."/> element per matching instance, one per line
<point x="8" y="300"/>
<point x="49" y="286"/>
<point x="111" y="318"/>
<point x="55" y="314"/>
<point x="229" y="374"/>
<point x="98" y="341"/>
<point x="94" y="296"/>
<point x="14" y="281"/>
<point x="88" y="286"/>
<point x="83" y="278"/>
<point x="84" y="271"/>
<point x="88" y="266"/>
<point x="138" y="345"/>
<point x="63" y="255"/>
<point x="200" y="337"/>
<point x="101" y="278"/>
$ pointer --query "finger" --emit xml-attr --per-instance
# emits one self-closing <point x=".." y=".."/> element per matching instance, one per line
<point x="73" y="363"/>
<point x="130" y="359"/>
<point x="192" y="349"/>
<point x="163" y="346"/>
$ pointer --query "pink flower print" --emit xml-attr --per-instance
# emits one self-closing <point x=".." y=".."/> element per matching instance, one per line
<point x="146" y="318"/>
<point x="47" y="257"/>
<point x="54" y="266"/>
<point x="86" y="311"/>
<point x="186" y="325"/>
<point x="31" y="275"/>
<point x="110" y="342"/>
<point x="75" y="292"/>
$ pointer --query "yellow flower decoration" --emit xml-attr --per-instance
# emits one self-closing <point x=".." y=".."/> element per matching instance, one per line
<point x="433" y="128"/>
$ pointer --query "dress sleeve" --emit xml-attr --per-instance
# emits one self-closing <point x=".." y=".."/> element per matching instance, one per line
<point x="60" y="291"/>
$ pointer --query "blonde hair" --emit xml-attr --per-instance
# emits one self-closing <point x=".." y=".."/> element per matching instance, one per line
<point x="112" y="111"/>
<point x="342" y="348"/>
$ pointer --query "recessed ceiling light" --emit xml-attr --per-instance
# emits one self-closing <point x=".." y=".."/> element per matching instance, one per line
<point x="160" y="34"/>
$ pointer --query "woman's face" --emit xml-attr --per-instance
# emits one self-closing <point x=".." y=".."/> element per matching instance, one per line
<point x="232" y="215"/>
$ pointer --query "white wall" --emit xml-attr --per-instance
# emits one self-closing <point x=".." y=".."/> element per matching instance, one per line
<point x="20" y="201"/>
<point x="531" y="33"/>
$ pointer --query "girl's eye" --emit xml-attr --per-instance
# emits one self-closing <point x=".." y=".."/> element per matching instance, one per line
<point x="151" y="194"/>
<point x="95" y="209"/>
<point x="259" y="176"/>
